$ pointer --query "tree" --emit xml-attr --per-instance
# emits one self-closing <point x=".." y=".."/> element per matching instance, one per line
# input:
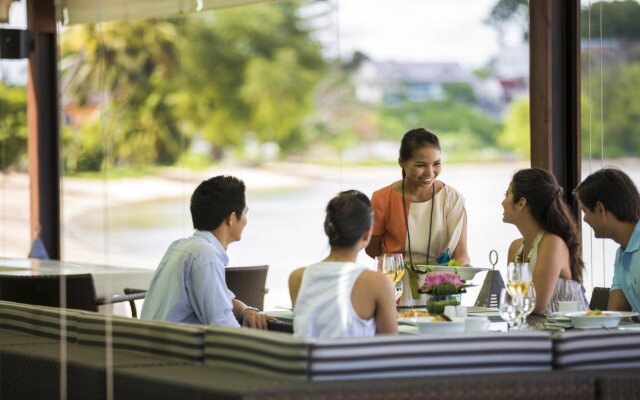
<point x="515" y="133"/>
<point x="262" y="67"/>
<point x="619" y="20"/>
<point x="128" y="69"/>
<point x="621" y="110"/>
<point x="13" y="125"/>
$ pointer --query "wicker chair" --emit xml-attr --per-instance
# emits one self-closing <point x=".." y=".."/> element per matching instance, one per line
<point x="44" y="290"/>
<point x="599" y="298"/>
<point x="248" y="284"/>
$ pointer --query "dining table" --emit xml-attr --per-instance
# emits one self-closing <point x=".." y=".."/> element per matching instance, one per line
<point x="108" y="279"/>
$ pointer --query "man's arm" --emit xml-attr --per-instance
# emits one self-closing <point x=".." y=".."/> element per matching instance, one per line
<point x="250" y="317"/>
<point x="617" y="301"/>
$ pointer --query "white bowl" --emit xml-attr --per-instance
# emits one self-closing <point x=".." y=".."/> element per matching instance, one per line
<point x="427" y="325"/>
<point x="466" y="273"/>
<point x="608" y="319"/>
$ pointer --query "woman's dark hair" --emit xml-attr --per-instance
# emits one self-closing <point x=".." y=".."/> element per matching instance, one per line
<point x="615" y="190"/>
<point x="213" y="201"/>
<point x="547" y="206"/>
<point x="349" y="215"/>
<point x="414" y="140"/>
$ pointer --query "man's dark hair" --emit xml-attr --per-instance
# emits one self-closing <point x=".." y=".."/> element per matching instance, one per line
<point x="213" y="201"/>
<point x="615" y="190"/>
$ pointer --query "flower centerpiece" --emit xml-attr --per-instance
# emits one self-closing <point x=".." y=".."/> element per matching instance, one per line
<point x="442" y="289"/>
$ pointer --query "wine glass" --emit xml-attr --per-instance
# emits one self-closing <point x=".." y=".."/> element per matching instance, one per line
<point x="519" y="273"/>
<point x="510" y="308"/>
<point x="399" y="262"/>
<point x="393" y="267"/>
<point x="528" y="305"/>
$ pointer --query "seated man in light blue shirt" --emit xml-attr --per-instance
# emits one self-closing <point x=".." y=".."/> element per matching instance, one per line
<point x="611" y="205"/>
<point x="189" y="284"/>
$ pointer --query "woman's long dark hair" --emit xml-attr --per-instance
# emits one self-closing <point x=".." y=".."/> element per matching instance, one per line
<point x="546" y="203"/>
<point x="349" y="216"/>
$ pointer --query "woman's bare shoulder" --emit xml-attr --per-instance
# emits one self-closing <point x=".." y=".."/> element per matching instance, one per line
<point x="513" y="249"/>
<point x="552" y="242"/>
<point x="297" y="273"/>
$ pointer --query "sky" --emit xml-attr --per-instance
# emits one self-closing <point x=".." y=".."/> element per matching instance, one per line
<point x="406" y="30"/>
<point x="420" y="30"/>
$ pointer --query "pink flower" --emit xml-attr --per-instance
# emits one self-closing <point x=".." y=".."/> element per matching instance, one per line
<point x="434" y="279"/>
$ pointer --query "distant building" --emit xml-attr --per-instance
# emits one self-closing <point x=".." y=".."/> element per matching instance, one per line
<point x="609" y="51"/>
<point x="388" y="82"/>
<point x="392" y="82"/>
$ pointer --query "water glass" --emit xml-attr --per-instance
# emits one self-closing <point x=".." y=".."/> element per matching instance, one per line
<point x="528" y="305"/>
<point x="510" y="308"/>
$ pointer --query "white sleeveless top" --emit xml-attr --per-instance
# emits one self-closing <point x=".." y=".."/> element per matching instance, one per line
<point x="323" y="308"/>
<point x="565" y="290"/>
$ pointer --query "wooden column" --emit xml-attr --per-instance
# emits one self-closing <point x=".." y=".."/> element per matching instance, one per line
<point x="43" y="124"/>
<point x="555" y="90"/>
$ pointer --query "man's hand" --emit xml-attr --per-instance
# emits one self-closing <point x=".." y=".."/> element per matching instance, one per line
<point x="254" y="319"/>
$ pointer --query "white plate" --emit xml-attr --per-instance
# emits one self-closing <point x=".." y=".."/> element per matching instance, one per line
<point x="608" y="319"/>
<point x="558" y="316"/>
<point x="427" y="325"/>
<point x="466" y="273"/>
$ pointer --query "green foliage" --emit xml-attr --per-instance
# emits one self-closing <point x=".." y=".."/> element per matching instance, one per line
<point x="515" y="133"/>
<point x="619" y="20"/>
<point x="460" y="92"/>
<point x="133" y="66"/>
<point x="442" y="117"/>
<point x="152" y="85"/>
<point x="13" y="125"/>
<point x="250" y="70"/>
<point x="622" y="112"/>
<point x="506" y="10"/>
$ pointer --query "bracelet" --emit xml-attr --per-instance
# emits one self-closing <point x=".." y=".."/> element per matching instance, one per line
<point x="245" y="308"/>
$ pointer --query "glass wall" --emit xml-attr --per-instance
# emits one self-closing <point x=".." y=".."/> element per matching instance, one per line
<point x="14" y="179"/>
<point x="313" y="102"/>
<point x="610" y="137"/>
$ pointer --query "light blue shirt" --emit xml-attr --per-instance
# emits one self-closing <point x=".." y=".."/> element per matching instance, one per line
<point x="626" y="272"/>
<point x="189" y="285"/>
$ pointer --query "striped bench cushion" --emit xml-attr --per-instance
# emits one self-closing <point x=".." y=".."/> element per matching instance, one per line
<point x="596" y="350"/>
<point x="263" y="353"/>
<point x="50" y="322"/>
<point x="167" y="339"/>
<point x="420" y="356"/>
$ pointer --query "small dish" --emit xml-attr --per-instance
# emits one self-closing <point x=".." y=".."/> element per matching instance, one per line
<point x="427" y="325"/>
<point x="608" y="319"/>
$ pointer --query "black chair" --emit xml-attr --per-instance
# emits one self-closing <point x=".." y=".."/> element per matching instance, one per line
<point x="599" y="298"/>
<point x="248" y="284"/>
<point x="44" y="290"/>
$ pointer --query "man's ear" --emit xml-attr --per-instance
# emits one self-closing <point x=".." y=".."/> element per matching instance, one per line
<point x="599" y="208"/>
<point x="231" y="218"/>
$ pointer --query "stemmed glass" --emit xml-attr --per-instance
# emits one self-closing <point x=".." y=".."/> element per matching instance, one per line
<point x="519" y="284"/>
<point x="528" y="304"/>
<point x="510" y="308"/>
<point x="393" y="267"/>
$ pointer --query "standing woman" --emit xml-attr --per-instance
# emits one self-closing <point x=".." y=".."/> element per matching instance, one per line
<point x="419" y="216"/>
<point x="549" y="243"/>
<point x="337" y="298"/>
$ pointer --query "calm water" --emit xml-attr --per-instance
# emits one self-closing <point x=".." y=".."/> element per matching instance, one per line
<point x="285" y="226"/>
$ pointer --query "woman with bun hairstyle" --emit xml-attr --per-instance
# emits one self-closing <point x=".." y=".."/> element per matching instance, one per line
<point x="336" y="297"/>
<point x="534" y="203"/>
